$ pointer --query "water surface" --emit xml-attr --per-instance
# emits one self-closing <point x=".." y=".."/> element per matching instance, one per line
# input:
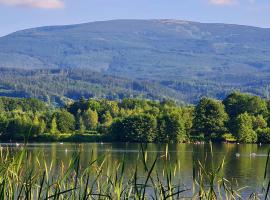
<point x="244" y="164"/>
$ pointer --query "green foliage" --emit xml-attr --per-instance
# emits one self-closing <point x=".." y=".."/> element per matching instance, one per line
<point x="65" y="121"/>
<point x="263" y="135"/>
<point x="228" y="137"/>
<point x="139" y="120"/>
<point x="245" y="132"/>
<point x="82" y="127"/>
<point x="25" y="105"/>
<point x="90" y="119"/>
<point x="3" y="123"/>
<point x="184" y="66"/>
<point x="238" y="103"/>
<point x="259" y="122"/>
<point x="171" y="128"/>
<point x="136" y="128"/>
<point x="106" y="119"/>
<point x="2" y="108"/>
<point x="210" y="117"/>
<point x="53" y="129"/>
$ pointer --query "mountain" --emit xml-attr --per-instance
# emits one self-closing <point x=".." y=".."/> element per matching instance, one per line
<point x="189" y="59"/>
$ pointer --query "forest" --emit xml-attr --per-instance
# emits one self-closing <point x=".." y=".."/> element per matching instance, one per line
<point x="240" y="117"/>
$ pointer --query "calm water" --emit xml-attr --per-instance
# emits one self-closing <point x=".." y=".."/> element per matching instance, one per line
<point x="244" y="163"/>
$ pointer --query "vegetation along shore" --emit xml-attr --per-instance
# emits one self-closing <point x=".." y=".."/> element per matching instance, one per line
<point x="239" y="118"/>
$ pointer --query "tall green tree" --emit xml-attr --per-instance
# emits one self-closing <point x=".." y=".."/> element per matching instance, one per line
<point x="36" y="126"/>
<point x="90" y="118"/>
<point x="81" y="125"/>
<point x="106" y="119"/>
<point x="53" y="128"/>
<point x="210" y="117"/>
<point x="3" y="123"/>
<point x="2" y="108"/>
<point x="245" y="132"/>
<point x="171" y="128"/>
<point x="238" y="103"/>
<point x="136" y="128"/>
<point x="65" y="121"/>
<point x="259" y="122"/>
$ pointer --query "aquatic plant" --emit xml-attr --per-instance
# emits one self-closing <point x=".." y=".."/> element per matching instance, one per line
<point x="20" y="179"/>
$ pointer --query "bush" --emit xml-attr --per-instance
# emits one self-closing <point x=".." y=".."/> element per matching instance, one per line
<point x="263" y="135"/>
<point x="228" y="137"/>
<point x="197" y="138"/>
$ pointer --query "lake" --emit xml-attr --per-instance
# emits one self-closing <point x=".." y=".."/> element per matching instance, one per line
<point x="244" y="163"/>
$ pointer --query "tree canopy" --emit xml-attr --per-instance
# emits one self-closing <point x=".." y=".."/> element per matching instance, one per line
<point x="239" y="117"/>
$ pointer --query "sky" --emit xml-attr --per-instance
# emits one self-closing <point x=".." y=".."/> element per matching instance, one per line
<point x="22" y="14"/>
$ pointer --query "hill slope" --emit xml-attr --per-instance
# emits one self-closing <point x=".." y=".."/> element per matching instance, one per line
<point x="190" y="58"/>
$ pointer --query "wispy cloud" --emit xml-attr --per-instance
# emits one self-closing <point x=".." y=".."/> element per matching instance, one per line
<point x="223" y="2"/>
<point x="45" y="4"/>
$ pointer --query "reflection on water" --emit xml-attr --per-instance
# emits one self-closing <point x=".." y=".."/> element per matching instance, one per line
<point x="244" y="163"/>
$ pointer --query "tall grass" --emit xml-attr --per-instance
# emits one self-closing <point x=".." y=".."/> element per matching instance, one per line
<point x="20" y="179"/>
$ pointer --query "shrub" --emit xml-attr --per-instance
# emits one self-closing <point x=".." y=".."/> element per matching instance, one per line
<point x="263" y="135"/>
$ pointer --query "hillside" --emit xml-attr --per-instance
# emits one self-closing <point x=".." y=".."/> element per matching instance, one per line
<point x="188" y="59"/>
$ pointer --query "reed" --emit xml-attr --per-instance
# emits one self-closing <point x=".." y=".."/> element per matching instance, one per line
<point x="19" y="179"/>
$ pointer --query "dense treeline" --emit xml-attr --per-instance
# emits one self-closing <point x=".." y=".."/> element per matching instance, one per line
<point x="57" y="86"/>
<point x="239" y="117"/>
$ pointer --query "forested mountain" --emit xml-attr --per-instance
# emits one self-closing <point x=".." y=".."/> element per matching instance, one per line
<point x="186" y="59"/>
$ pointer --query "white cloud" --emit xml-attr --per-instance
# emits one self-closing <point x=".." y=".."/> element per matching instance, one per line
<point x="46" y="4"/>
<point x="223" y="2"/>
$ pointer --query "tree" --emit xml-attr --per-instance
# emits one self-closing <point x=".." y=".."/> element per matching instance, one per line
<point x="263" y="135"/>
<point x="3" y="123"/>
<point x="20" y="125"/>
<point x="81" y="125"/>
<point x="136" y="128"/>
<point x="238" y="103"/>
<point x="187" y="114"/>
<point x="210" y="117"/>
<point x="90" y="119"/>
<point x="53" y="129"/>
<point x="65" y="121"/>
<point x="171" y="128"/>
<point x="259" y="122"/>
<point x="36" y="128"/>
<point x="2" y="108"/>
<point x="245" y="132"/>
<point x="43" y="126"/>
<point x="93" y="105"/>
<point x="107" y="119"/>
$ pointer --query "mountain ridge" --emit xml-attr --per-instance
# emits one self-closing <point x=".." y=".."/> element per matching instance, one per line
<point x="214" y="56"/>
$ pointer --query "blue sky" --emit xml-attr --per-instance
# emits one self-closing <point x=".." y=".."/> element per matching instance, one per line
<point x="20" y="14"/>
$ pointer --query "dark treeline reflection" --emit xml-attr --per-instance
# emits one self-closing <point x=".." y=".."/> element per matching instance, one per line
<point x="244" y="164"/>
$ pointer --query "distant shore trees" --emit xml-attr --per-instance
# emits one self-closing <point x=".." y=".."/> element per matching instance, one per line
<point x="239" y="117"/>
